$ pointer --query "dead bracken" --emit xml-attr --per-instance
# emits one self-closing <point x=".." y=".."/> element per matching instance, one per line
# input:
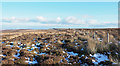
<point x="61" y="46"/>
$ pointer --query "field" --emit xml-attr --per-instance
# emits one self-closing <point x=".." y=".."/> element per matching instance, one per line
<point x="60" y="46"/>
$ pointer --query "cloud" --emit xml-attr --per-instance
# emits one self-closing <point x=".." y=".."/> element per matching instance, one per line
<point x="87" y="16"/>
<point x="14" y="19"/>
<point x="108" y="22"/>
<point x="58" y="19"/>
<point x="71" y="19"/>
<point x="93" y="21"/>
<point x="37" y="25"/>
<point x="74" y="20"/>
<point x="41" y="18"/>
<point x="40" y="21"/>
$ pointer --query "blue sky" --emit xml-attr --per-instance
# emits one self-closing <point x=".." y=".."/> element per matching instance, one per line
<point x="60" y="0"/>
<point x="45" y="15"/>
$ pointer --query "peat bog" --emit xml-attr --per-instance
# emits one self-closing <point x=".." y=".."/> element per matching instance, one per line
<point x="61" y="46"/>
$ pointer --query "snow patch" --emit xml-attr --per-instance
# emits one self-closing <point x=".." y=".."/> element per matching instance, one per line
<point x="17" y="55"/>
<point x="72" y="53"/>
<point x="99" y="57"/>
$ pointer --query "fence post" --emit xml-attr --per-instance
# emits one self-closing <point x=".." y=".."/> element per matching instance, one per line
<point x="108" y="36"/>
<point x="94" y="34"/>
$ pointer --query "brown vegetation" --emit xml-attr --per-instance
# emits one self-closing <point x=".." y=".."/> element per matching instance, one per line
<point x="60" y="46"/>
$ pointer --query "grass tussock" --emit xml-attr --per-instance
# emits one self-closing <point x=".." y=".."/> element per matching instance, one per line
<point x="91" y="46"/>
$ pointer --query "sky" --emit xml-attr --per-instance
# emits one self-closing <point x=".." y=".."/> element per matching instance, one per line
<point x="60" y="0"/>
<point x="47" y="15"/>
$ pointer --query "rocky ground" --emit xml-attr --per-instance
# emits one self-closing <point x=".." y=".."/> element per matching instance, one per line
<point x="60" y="46"/>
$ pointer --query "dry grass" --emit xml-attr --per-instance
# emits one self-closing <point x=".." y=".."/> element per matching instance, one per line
<point x="86" y="43"/>
<point x="91" y="46"/>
